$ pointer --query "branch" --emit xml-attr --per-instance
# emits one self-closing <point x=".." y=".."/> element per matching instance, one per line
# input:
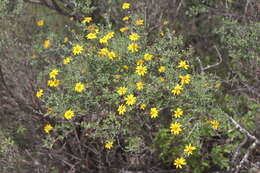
<point x="247" y="134"/>
<point x="210" y="66"/>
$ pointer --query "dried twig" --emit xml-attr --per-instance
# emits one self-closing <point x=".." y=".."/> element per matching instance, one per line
<point x="210" y="66"/>
<point x="249" y="150"/>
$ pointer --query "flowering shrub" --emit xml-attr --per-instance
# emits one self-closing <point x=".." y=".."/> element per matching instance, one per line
<point x="129" y="94"/>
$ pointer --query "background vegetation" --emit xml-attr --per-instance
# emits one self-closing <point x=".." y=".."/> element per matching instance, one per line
<point x="220" y="41"/>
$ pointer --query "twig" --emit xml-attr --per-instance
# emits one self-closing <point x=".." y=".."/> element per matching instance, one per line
<point x="213" y="65"/>
<point x="246" y="133"/>
<point x="238" y="167"/>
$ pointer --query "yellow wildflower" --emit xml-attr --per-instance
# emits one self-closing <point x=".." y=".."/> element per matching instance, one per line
<point x="185" y="79"/>
<point x="79" y="87"/>
<point x="165" y="22"/>
<point x="142" y="106"/>
<point x="153" y="113"/>
<point x="177" y="90"/>
<point x="125" y="18"/>
<point x="69" y="114"/>
<point x="77" y="49"/>
<point x="48" y="128"/>
<point x="91" y="36"/>
<point x="54" y="73"/>
<point x="111" y="55"/>
<point x="140" y="62"/>
<point x="53" y="83"/>
<point x="162" y="69"/>
<point x="39" y="93"/>
<point x="148" y="57"/>
<point x="141" y="70"/>
<point x="121" y="109"/>
<point x="134" y="37"/>
<point x="125" y="67"/>
<point x="139" y="22"/>
<point x="103" y="52"/>
<point x="175" y="128"/>
<point x="179" y="162"/>
<point x="47" y="43"/>
<point x="162" y="79"/>
<point x="133" y="47"/>
<point x="66" y="39"/>
<point x="126" y="5"/>
<point x="40" y="22"/>
<point x="162" y="33"/>
<point x="103" y="40"/>
<point x="178" y="113"/>
<point x="130" y="99"/>
<point x="183" y="64"/>
<point x="122" y="90"/>
<point x="109" y="145"/>
<point x="139" y="85"/>
<point x="87" y="20"/>
<point x="67" y="60"/>
<point x="110" y="35"/>
<point x="189" y="148"/>
<point x="123" y="29"/>
<point x="215" y="124"/>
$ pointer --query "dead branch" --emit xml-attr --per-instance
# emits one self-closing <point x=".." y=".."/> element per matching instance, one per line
<point x="213" y="65"/>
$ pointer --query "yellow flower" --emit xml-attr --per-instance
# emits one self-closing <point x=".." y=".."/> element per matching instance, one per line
<point x="217" y="85"/>
<point x="111" y="55"/>
<point x="148" y="57"/>
<point x="126" y="5"/>
<point x="142" y="106"/>
<point x="103" y="40"/>
<point x="162" y="79"/>
<point x="66" y="39"/>
<point x="122" y="91"/>
<point x="109" y="145"/>
<point x="125" y="67"/>
<point x="103" y="52"/>
<point x="110" y="35"/>
<point x="133" y="47"/>
<point x="188" y="149"/>
<point x="214" y="124"/>
<point x="179" y="162"/>
<point x="178" y="113"/>
<point x="54" y="73"/>
<point x="162" y="69"/>
<point x="40" y="22"/>
<point x="175" y="128"/>
<point x="153" y="113"/>
<point x="185" y="79"/>
<point x="79" y="87"/>
<point x="121" y="109"/>
<point x="165" y="22"/>
<point x="123" y="29"/>
<point x="177" y="90"/>
<point x="139" y="22"/>
<point x="91" y="36"/>
<point x="162" y="33"/>
<point x="47" y="43"/>
<point x="140" y="62"/>
<point x="125" y="18"/>
<point x="130" y="99"/>
<point x="48" y="128"/>
<point x="54" y="83"/>
<point x="183" y="64"/>
<point x="87" y="20"/>
<point x="141" y="70"/>
<point x="77" y="49"/>
<point x="39" y="93"/>
<point x="49" y="111"/>
<point x="134" y="37"/>
<point x="67" y="60"/>
<point x="139" y="85"/>
<point x="69" y="114"/>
